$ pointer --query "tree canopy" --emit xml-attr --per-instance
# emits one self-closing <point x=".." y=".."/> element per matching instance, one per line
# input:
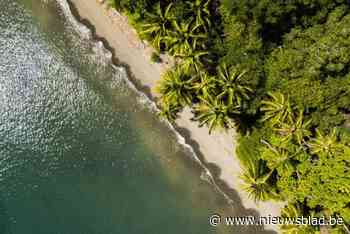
<point x="277" y="70"/>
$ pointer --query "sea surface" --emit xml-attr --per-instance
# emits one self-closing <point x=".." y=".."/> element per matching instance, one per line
<point x="81" y="151"/>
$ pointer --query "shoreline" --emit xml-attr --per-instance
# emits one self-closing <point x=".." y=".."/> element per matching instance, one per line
<point x="217" y="151"/>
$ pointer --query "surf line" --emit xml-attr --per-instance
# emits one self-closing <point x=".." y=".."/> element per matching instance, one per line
<point x="85" y="29"/>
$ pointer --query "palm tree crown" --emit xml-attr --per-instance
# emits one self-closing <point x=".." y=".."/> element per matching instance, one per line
<point x="169" y="111"/>
<point x="324" y="143"/>
<point x="184" y="37"/>
<point x="158" y="24"/>
<point x="214" y="113"/>
<point x="200" y="8"/>
<point x="205" y="84"/>
<point x="277" y="109"/>
<point x="192" y="59"/>
<point x="298" y="129"/>
<point x="234" y="88"/>
<point x="256" y="181"/>
<point x="175" y="88"/>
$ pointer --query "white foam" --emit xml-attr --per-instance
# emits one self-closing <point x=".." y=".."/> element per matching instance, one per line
<point x="101" y="54"/>
<point x="83" y="30"/>
<point x="121" y="75"/>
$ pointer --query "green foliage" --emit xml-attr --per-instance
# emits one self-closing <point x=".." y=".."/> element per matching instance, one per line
<point x="248" y="147"/>
<point x="293" y="211"/>
<point x="316" y="59"/>
<point x="274" y="18"/>
<point x="233" y="88"/>
<point x="155" y="58"/>
<point x="205" y="84"/>
<point x="214" y="113"/>
<point x="277" y="109"/>
<point x="114" y="4"/>
<point x="280" y="67"/>
<point x="175" y="88"/>
<point x="312" y="166"/>
<point x="201" y="11"/>
<point x="242" y="47"/>
<point x="324" y="144"/>
<point x="325" y="181"/>
<point x="184" y="37"/>
<point x="169" y="111"/>
<point x="192" y="59"/>
<point x="296" y="130"/>
<point x="256" y="181"/>
<point x="136" y="7"/>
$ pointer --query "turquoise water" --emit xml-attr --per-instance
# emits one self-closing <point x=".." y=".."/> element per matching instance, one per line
<point x="80" y="151"/>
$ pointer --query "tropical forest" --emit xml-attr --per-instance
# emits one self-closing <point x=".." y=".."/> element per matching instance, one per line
<point x="278" y="72"/>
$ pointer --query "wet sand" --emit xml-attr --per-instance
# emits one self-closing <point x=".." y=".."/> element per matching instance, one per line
<point x="217" y="151"/>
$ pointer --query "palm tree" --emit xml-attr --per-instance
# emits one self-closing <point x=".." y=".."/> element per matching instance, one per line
<point x="201" y="11"/>
<point x="291" y="211"/>
<point x="298" y="129"/>
<point x="256" y="181"/>
<point x="234" y="88"/>
<point x="158" y="25"/>
<point x="205" y="84"/>
<point x="295" y="210"/>
<point x="214" y="113"/>
<point x="191" y="60"/>
<point x="277" y="109"/>
<point x="324" y="143"/>
<point x="184" y="37"/>
<point x="278" y="157"/>
<point x="169" y="111"/>
<point x="175" y="88"/>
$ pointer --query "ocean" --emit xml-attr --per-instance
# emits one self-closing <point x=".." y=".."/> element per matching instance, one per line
<point x="81" y="150"/>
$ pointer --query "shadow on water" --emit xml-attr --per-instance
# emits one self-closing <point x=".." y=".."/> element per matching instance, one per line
<point x="236" y="202"/>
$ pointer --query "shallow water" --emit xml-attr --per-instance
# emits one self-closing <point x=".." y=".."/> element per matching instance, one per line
<point x="80" y="151"/>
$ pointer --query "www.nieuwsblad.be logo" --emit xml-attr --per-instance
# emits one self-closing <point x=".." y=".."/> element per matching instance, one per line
<point x="216" y="220"/>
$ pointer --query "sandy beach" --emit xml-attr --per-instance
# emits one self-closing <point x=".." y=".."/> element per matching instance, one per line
<point x="216" y="150"/>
